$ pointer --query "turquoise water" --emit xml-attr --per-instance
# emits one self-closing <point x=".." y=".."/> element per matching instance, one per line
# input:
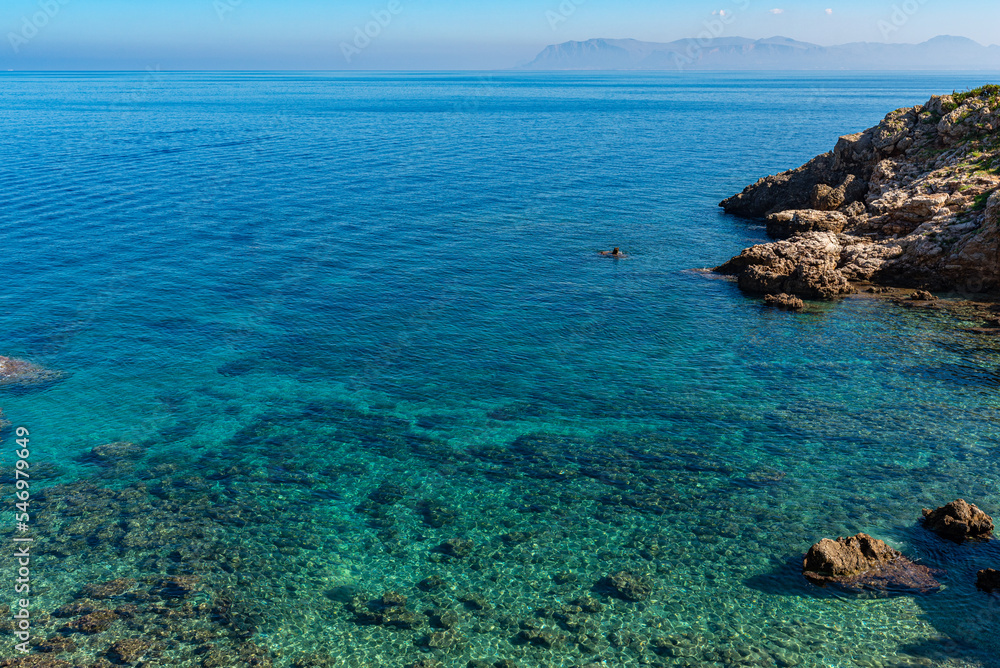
<point x="349" y="318"/>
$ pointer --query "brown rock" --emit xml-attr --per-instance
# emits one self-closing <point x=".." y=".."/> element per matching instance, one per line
<point x="95" y="622"/>
<point x="921" y="296"/>
<point x="57" y="645"/>
<point x="75" y="609"/>
<point x="908" y="213"/>
<point x="128" y="651"/>
<point x="807" y="266"/>
<point x="178" y="586"/>
<point x="393" y="599"/>
<point x="457" y="547"/>
<point x="18" y="372"/>
<point x="34" y="661"/>
<point x="109" y="589"/>
<point x="988" y="580"/>
<point x="959" y="520"/>
<point x="627" y="586"/>
<point x="799" y="221"/>
<point x="118" y="451"/>
<point x="784" y="302"/>
<point x="865" y="562"/>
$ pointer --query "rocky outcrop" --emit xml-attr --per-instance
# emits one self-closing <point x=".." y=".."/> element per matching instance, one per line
<point x="864" y="562"/>
<point x="18" y="372"/>
<point x="959" y="520"/>
<point x="988" y="580"/>
<point x="912" y="202"/>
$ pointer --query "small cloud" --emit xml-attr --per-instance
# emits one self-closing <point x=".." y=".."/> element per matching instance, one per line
<point x="777" y="11"/>
<point x="829" y="12"/>
<point x="720" y="12"/>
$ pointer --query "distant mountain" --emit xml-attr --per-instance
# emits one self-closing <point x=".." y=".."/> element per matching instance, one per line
<point x="776" y="53"/>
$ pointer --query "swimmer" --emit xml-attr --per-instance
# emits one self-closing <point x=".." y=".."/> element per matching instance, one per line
<point x="613" y="253"/>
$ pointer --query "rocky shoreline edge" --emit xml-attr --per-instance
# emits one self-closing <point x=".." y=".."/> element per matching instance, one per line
<point x="864" y="562"/>
<point x="910" y="204"/>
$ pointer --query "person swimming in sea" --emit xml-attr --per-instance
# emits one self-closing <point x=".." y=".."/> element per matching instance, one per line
<point x="613" y="253"/>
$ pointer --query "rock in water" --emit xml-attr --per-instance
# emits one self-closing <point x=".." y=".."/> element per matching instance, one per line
<point x="906" y="203"/>
<point x="784" y="302"/>
<point x="959" y="520"/>
<point x="18" y="372"/>
<point x="863" y="562"/>
<point x="988" y="580"/>
<point x="627" y="586"/>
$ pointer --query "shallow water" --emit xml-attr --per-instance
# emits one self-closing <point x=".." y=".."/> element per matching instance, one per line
<point x="348" y="318"/>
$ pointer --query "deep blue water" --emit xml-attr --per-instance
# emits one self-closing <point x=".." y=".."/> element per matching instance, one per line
<point x="394" y="278"/>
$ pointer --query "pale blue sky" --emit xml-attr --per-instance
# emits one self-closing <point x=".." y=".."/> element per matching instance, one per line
<point x="432" y="34"/>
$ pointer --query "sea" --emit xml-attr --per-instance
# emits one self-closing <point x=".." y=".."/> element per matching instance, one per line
<point x="356" y="344"/>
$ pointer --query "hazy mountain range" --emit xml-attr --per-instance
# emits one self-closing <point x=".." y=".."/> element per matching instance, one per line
<point x="776" y="53"/>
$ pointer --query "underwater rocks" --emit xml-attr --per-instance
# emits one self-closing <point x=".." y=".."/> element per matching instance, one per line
<point x="958" y="520"/>
<point x="784" y="302"/>
<point x="128" y="651"/>
<point x="912" y="202"/>
<point x="626" y="586"/>
<point x="457" y="547"/>
<point x="34" y="661"/>
<point x="119" y="451"/>
<point x="19" y="372"/>
<point x="95" y="622"/>
<point x="988" y="580"/>
<point x="110" y="589"/>
<point x="388" y="610"/>
<point x="865" y="562"/>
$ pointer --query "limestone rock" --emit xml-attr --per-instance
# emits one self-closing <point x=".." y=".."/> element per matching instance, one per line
<point x="806" y="266"/>
<point x="913" y="202"/>
<point x="792" y="223"/>
<point x="865" y="562"/>
<point x="959" y="520"/>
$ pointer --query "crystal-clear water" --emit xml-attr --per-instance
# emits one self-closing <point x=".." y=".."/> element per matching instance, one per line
<point x="349" y="318"/>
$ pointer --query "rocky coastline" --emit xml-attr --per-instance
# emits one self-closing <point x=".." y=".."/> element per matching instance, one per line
<point x="911" y="203"/>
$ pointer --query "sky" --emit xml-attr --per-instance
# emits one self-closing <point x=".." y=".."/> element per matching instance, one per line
<point x="432" y="34"/>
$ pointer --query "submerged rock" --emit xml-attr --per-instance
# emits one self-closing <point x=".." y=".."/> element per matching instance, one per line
<point x="119" y="451"/>
<point x="627" y="586"/>
<point x="457" y="547"/>
<point x="988" y="580"/>
<point x="958" y="520"/>
<point x="34" y="661"/>
<point x="95" y="622"/>
<point x="784" y="302"/>
<point x="128" y="651"/>
<point x="911" y="202"/>
<point x="19" y="372"/>
<point x="865" y="562"/>
<point x="109" y="589"/>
